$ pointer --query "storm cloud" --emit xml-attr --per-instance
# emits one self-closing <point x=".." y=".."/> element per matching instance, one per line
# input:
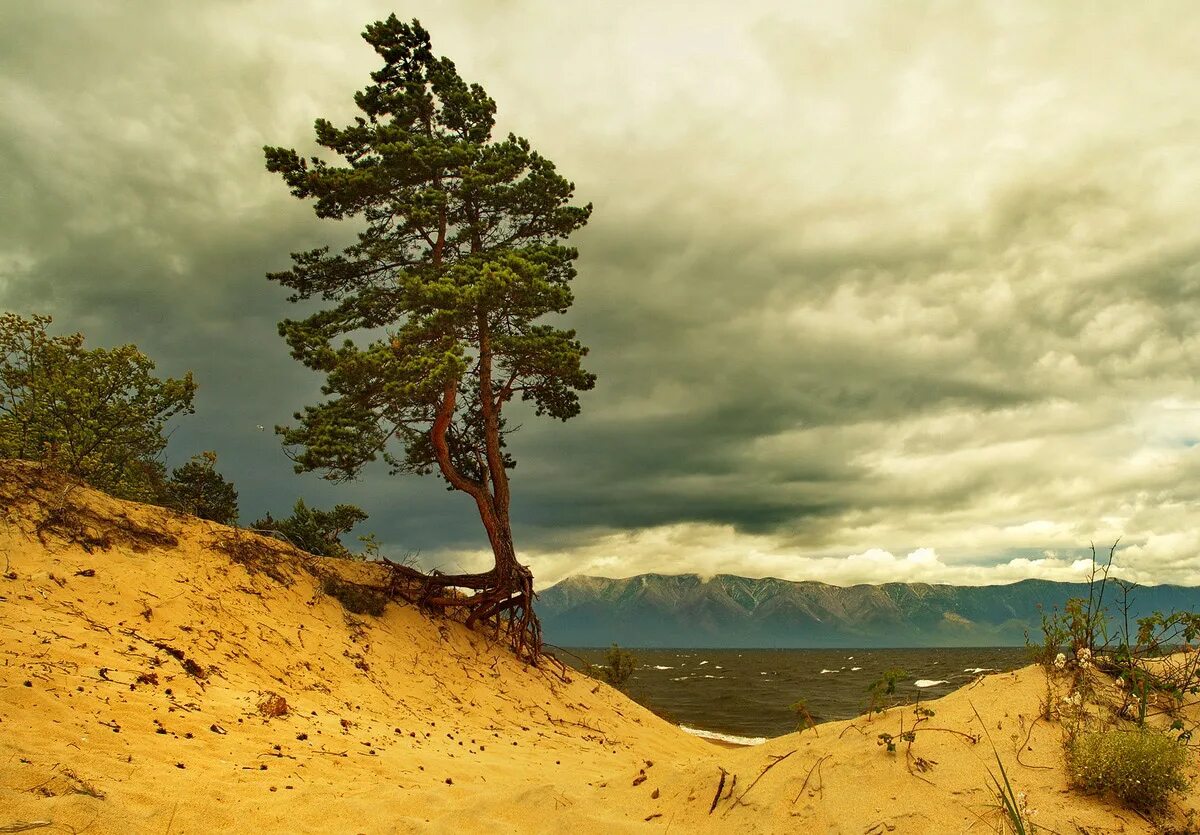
<point x="873" y="290"/>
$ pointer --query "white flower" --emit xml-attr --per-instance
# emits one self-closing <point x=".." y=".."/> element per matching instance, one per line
<point x="1084" y="654"/>
<point x="1075" y="699"/>
<point x="1060" y="661"/>
<point x="1085" y="664"/>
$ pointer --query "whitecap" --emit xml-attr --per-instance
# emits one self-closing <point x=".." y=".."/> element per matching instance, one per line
<point x="681" y="678"/>
<point x="980" y="670"/>
<point x="926" y="682"/>
<point x="661" y="667"/>
<point x="855" y="669"/>
<point x="702" y="663"/>
<point x="823" y="672"/>
<point x="713" y="676"/>
<point x="718" y="667"/>
<point x="730" y="738"/>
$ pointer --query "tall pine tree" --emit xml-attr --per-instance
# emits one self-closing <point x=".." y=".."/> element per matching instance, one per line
<point x="445" y="293"/>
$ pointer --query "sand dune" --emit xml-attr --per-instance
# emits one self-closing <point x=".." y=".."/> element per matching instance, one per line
<point x="152" y="682"/>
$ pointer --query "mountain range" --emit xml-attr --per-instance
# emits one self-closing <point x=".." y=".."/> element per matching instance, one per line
<point x="687" y="610"/>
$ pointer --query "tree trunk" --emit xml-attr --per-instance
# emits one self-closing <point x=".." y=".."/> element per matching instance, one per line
<point x="503" y="595"/>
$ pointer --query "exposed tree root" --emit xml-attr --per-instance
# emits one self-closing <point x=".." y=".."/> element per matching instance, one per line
<point x="503" y="601"/>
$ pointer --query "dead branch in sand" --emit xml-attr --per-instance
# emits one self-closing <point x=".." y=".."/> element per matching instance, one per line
<point x="808" y="777"/>
<point x="720" y="788"/>
<point x="776" y="759"/>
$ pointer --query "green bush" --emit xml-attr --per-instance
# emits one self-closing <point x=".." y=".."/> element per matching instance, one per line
<point x="619" y="665"/>
<point x="355" y="598"/>
<point x="98" y="414"/>
<point x="197" y="488"/>
<point x="316" y="531"/>
<point x="1142" y="768"/>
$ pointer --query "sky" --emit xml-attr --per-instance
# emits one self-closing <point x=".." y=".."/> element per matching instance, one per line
<point x="874" y="291"/>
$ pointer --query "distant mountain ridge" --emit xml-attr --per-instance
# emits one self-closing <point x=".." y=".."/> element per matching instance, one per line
<point x="686" y="610"/>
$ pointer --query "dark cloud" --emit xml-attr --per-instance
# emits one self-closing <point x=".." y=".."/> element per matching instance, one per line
<point x="879" y="280"/>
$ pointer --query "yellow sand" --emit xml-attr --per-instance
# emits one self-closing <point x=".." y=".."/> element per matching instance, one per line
<point x="402" y="723"/>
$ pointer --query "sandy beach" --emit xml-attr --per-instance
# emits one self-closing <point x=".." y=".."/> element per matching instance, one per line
<point x="158" y="675"/>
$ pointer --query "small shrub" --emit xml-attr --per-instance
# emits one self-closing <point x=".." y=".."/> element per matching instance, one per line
<point x="1142" y="768"/>
<point x="197" y="488"/>
<point x="804" y="717"/>
<point x="883" y="690"/>
<point x="619" y="665"/>
<point x="355" y="598"/>
<point x="316" y="531"/>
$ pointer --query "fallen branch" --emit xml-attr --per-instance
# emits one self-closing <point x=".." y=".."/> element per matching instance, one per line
<point x="22" y="826"/>
<point x="808" y="776"/>
<point x="776" y="759"/>
<point x="720" y="787"/>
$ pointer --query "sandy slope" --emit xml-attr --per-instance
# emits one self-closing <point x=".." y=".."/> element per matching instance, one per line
<point x="130" y="702"/>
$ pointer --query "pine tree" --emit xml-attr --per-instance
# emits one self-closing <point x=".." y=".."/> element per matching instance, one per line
<point x="460" y="260"/>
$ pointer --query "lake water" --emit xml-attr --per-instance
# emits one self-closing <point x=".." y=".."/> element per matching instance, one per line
<point x="745" y="693"/>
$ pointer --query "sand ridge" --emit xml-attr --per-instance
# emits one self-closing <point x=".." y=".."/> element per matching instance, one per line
<point x="140" y="663"/>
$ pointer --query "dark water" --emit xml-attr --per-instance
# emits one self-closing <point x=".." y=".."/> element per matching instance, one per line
<point x="746" y="692"/>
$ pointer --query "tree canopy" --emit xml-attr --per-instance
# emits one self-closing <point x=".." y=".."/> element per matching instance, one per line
<point x="197" y="488"/>
<point x="316" y="531"/>
<point x="98" y="414"/>
<point x="434" y="319"/>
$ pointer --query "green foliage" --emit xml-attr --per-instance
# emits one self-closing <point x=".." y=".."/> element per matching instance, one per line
<point x="1013" y="805"/>
<point x="1142" y="768"/>
<point x="316" y="531"/>
<point x="458" y="261"/>
<point x="619" y="665"/>
<point x="355" y="598"/>
<point x="96" y="414"/>
<point x="197" y="488"/>
<point x="1054" y="637"/>
<point x="883" y="690"/>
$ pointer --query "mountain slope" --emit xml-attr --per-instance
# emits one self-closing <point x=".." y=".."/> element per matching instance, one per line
<point x="729" y="611"/>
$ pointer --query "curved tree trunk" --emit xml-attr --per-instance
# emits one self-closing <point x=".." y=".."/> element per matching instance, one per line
<point x="504" y="595"/>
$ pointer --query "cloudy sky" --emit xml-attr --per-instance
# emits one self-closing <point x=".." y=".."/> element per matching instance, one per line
<point x="875" y="291"/>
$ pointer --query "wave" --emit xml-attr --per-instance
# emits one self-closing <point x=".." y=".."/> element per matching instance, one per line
<point x="980" y="670"/>
<point x="855" y="669"/>
<point x="926" y="682"/>
<point x="661" y="667"/>
<point x="730" y="738"/>
<point x="823" y="672"/>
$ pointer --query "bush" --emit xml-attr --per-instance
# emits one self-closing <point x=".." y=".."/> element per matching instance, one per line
<point x="1142" y="768"/>
<point x="619" y="665"/>
<point x="355" y="598"/>
<point x="97" y="414"/>
<point x="316" y="531"/>
<point x="197" y="488"/>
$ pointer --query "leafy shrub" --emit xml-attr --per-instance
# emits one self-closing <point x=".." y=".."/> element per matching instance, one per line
<point x="197" y="488"/>
<point x="883" y="691"/>
<point x="355" y="598"/>
<point x="619" y="665"/>
<point x="1142" y="768"/>
<point x="98" y="414"/>
<point x="316" y="531"/>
